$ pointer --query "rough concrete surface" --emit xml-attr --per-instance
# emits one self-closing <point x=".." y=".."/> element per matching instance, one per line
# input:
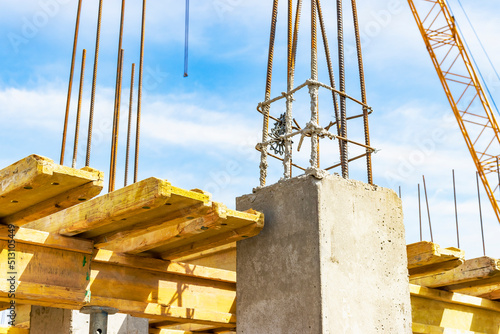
<point x="46" y="320"/>
<point x="330" y="259"/>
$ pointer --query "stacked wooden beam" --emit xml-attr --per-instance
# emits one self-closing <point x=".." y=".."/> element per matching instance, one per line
<point x="116" y="250"/>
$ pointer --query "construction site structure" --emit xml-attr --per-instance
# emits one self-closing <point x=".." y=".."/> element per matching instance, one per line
<point x="158" y="252"/>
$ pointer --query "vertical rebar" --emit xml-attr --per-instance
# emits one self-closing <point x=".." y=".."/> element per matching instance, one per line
<point x="78" y="110"/>
<point x="419" y="213"/>
<point x="428" y="212"/>
<point x="456" y="210"/>
<point x="480" y="213"/>
<point x="92" y="99"/>
<point x="139" y="93"/>
<point x="116" y="121"/>
<point x="70" y="85"/>
<point x="265" y="127"/>
<point x="186" y="41"/>
<point x="313" y="89"/>
<point x="363" y="92"/>
<point x="399" y="191"/>
<point x="287" y="161"/>
<point x="116" y="111"/>
<point x="343" y="113"/>
<point x="330" y="70"/>
<point x="296" y="33"/>
<point x="131" y="100"/>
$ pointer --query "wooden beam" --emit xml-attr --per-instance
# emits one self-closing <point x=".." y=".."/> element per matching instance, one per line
<point x="13" y="330"/>
<point x="491" y="291"/>
<point x="162" y="266"/>
<point x="35" y="187"/>
<point x="480" y="271"/>
<point x="23" y="313"/>
<point x="46" y="239"/>
<point x="186" y="327"/>
<point x="153" y="217"/>
<point x="428" y="329"/>
<point x="223" y="257"/>
<point x="426" y="258"/>
<point x="150" y="288"/>
<point x="169" y="313"/>
<point x="456" y="313"/>
<point x="174" y="331"/>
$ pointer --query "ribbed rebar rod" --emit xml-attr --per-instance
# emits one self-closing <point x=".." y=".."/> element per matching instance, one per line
<point x="343" y="112"/>
<point x="94" y="78"/>
<point x="456" y="210"/>
<point x="428" y="211"/>
<point x="70" y="84"/>
<point x="298" y="11"/>
<point x="116" y="129"/>
<point x="313" y="89"/>
<point x="130" y="104"/>
<point x="287" y="161"/>
<point x="114" y="135"/>
<point x="330" y="70"/>
<point x="79" y="109"/>
<point x="139" y="93"/>
<point x="265" y="127"/>
<point x="363" y="91"/>
<point x="480" y="213"/>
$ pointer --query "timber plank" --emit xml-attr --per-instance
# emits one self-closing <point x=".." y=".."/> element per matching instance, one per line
<point x="480" y="271"/>
<point x="158" y="265"/>
<point x="13" y="330"/>
<point x="168" y="312"/>
<point x="429" y="329"/>
<point x="46" y="239"/>
<point x="143" y="203"/>
<point x="491" y="291"/>
<point x="454" y="312"/>
<point x="426" y="258"/>
<point x="35" y="187"/>
<point x="116" y="282"/>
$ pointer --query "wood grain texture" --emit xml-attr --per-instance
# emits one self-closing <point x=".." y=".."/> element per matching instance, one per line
<point x="35" y="187"/>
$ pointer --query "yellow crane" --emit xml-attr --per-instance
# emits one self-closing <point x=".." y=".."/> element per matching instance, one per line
<point x="463" y="89"/>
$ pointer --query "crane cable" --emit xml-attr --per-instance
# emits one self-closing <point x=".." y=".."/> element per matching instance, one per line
<point x="471" y="54"/>
<point x="186" y="40"/>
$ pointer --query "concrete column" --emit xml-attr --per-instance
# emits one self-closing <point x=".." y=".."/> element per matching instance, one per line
<point x="45" y="320"/>
<point x="330" y="259"/>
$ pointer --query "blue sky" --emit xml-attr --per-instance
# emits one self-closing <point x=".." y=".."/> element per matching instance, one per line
<point x="200" y="131"/>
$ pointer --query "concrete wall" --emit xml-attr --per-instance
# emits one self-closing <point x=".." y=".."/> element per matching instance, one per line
<point x="331" y="259"/>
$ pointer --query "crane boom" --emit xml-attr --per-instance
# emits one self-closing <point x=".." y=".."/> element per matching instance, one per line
<point x="463" y="89"/>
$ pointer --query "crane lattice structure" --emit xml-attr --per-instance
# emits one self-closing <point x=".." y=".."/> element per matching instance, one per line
<point x="463" y="89"/>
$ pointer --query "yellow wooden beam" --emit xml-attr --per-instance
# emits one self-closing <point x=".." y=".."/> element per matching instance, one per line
<point x="426" y="258"/>
<point x="428" y="329"/>
<point x="453" y="311"/>
<point x="46" y="239"/>
<point x="489" y="291"/>
<point x="143" y="287"/>
<point x="154" y="217"/>
<point x="162" y="266"/>
<point x="13" y="330"/>
<point x="223" y="257"/>
<point x="35" y="187"/>
<point x="186" y="327"/>
<point x="474" y="272"/>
